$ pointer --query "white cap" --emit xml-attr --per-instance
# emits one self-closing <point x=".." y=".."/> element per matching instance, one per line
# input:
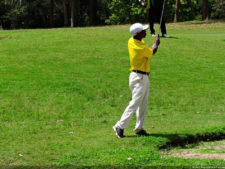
<point x="137" y="27"/>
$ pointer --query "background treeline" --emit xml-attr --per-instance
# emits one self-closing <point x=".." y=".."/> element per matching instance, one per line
<point x="64" y="13"/>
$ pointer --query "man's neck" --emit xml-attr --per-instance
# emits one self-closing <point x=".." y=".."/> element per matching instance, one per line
<point x="137" y="38"/>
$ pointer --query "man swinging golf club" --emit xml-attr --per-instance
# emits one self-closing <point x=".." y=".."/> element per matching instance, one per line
<point x="139" y="82"/>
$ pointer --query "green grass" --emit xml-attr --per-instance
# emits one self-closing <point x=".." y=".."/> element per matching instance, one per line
<point x="62" y="90"/>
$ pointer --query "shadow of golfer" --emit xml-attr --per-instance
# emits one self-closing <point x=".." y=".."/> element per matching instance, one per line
<point x="182" y="140"/>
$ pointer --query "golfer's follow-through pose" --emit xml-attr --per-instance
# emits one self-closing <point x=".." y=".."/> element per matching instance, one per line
<point x="139" y="82"/>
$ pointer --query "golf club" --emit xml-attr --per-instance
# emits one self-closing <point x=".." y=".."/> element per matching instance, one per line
<point x="161" y="17"/>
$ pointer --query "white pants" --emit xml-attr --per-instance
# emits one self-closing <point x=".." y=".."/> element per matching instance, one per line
<point x="139" y="85"/>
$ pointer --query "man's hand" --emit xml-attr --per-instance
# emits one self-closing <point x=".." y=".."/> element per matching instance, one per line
<point x="155" y="45"/>
<point x="157" y="41"/>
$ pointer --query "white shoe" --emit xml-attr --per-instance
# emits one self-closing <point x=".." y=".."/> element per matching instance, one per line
<point x="165" y="36"/>
<point x="153" y="35"/>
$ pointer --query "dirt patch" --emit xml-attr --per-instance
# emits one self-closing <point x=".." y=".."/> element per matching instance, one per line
<point x="205" y="150"/>
<point x="199" y="155"/>
<point x="2" y="38"/>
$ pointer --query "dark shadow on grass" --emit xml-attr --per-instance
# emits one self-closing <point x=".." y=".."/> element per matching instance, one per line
<point x="176" y="140"/>
<point x="182" y="140"/>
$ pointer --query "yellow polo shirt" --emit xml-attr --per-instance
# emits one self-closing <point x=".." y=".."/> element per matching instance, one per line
<point x="140" y="54"/>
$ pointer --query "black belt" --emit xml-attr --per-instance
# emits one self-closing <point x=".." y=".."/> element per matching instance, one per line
<point x="138" y="71"/>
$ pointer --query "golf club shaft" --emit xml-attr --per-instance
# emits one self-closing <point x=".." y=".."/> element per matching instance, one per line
<point x="161" y="16"/>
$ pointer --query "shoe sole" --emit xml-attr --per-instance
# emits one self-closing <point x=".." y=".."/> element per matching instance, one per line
<point x="114" y="128"/>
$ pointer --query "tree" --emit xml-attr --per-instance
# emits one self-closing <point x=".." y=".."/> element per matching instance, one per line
<point x="205" y="9"/>
<point x="176" y="15"/>
<point x="218" y="9"/>
<point x="72" y="14"/>
<point x="125" y="11"/>
<point x="65" y="11"/>
<point x="51" y="7"/>
<point x="11" y="13"/>
<point x="92" y="11"/>
<point x="76" y="12"/>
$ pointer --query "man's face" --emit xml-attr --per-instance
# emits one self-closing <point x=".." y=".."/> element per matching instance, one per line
<point x="143" y="34"/>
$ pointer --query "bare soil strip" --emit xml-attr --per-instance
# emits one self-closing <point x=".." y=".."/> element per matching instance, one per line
<point x="199" y="155"/>
<point x="2" y="38"/>
<point x="207" y="150"/>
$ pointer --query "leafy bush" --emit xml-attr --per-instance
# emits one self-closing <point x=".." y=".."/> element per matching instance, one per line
<point x="218" y="9"/>
<point x="189" y="9"/>
<point x="125" y="11"/>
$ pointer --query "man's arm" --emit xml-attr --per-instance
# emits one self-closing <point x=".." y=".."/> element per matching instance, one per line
<point x="155" y="45"/>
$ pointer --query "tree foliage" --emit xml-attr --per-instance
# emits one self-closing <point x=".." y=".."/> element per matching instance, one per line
<point x="218" y="9"/>
<point x="188" y="10"/>
<point x="37" y="13"/>
<point x="125" y="11"/>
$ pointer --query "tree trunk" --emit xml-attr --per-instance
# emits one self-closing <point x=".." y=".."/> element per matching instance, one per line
<point x="77" y="12"/>
<point x="92" y="11"/>
<point x="51" y="6"/>
<point x="14" y="15"/>
<point x="13" y="22"/>
<point x="65" y="10"/>
<point x="205" y="10"/>
<point x="72" y="14"/>
<point x="176" y="16"/>
<point x="1" y="25"/>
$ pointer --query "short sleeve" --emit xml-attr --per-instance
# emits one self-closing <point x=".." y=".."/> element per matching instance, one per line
<point x="148" y="52"/>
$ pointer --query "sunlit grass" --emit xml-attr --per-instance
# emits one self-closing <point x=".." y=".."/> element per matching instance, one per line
<point x="62" y="90"/>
